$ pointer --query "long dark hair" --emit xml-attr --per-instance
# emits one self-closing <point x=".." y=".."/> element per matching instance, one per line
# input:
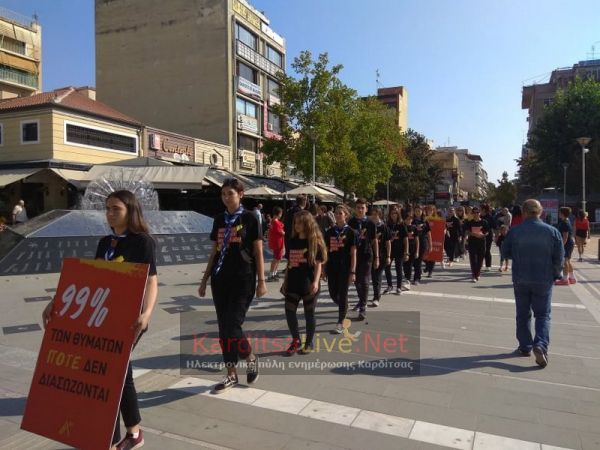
<point x="135" y="219"/>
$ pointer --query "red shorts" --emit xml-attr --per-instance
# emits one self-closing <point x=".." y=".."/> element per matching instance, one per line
<point x="277" y="253"/>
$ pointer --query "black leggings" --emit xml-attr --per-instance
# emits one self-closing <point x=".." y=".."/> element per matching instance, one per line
<point x="291" y="307"/>
<point x="338" y="283"/>
<point x="128" y="407"/>
<point x="476" y="255"/>
<point x="232" y="299"/>
<point x="376" y="277"/>
<point x="451" y="245"/>
<point x="414" y="262"/>
<point x="489" y="240"/>
<point x="397" y="261"/>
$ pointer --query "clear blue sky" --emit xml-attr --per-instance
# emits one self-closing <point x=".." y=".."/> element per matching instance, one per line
<point x="463" y="62"/>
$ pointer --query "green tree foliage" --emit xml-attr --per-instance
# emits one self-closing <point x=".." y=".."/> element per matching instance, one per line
<point x="575" y="112"/>
<point x="415" y="177"/>
<point x="356" y="141"/>
<point x="504" y="194"/>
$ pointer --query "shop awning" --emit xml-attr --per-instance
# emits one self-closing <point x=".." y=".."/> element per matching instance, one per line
<point x="8" y="176"/>
<point x="19" y="63"/>
<point x="161" y="177"/>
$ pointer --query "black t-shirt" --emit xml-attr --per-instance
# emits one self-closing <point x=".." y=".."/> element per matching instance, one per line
<point x="382" y="233"/>
<point x="453" y="227"/>
<point x="422" y="227"/>
<point x="481" y="225"/>
<point x="365" y="233"/>
<point x="300" y="274"/>
<point x="133" y="248"/>
<point x="339" y="247"/>
<point x="397" y="234"/>
<point x="239" y="255"/>
<point x="413" y="236"/>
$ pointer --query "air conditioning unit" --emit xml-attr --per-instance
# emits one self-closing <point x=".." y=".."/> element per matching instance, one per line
<point x="270" y="126"/>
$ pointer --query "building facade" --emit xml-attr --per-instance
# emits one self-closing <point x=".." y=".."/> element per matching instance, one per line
<point x="201" y="68"/>
<point x="396" y="98"/>
<point x="20" y="55"/>
<point x="536" y="97"/>
<point x="471" y="178"/>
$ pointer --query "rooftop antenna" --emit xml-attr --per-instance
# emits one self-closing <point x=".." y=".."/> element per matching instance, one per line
<point x="378" y="79"/>
<point x="592" y="55"/>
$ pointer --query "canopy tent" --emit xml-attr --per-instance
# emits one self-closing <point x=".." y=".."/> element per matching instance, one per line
<point x="8" y="176"/>
<point x="309" y="189"/>
<point x="262" y="192"/>
<point x="384" y="203"/>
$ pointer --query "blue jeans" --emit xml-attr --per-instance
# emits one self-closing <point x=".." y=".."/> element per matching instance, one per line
<point x="534" y="297"/>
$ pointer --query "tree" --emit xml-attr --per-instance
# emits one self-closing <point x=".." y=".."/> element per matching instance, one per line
<point x="416" y="176"/>
<point x="504" y="194"/>
<point x="575" y="112"/>
<point x="356" y="140"/>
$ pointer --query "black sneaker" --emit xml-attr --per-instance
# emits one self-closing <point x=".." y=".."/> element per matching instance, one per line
<point x="252" y="370"/>
<point x="228" y="382"/>
<point x="387" y="290"/>
<point x="362" y="315"/>
<point x="541" y="357"/>
<point x="522" y="352"/>
<point x="356" y="307"/>
<point x="308" y="348"/>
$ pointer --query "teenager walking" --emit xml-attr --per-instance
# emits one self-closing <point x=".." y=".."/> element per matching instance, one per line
<point x="413" y="247"/>
<point x="307" y="254"/>
<point x="477" y="229"/>
<point x="384" y="245"/>
<point x="276" y="242"/>
<point x="582" y="232"/>
<point x="233" y="265"/>
<point x="566" y="232"/>
<point x="341" y="262"/>
<point x="367" y="254"/>
<point x="451" y="239"/>
<point x="399" y="244"/>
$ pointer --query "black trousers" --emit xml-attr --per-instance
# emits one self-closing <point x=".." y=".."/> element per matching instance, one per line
<point x="476" y="255"/>
<point x="451" y="245"/>
<point x="376" y="278"/>
<point x="128" y="407"/>
<point x="291" y="308"/>
<point x="489" y="240"/>
<point x="414" y="263"/>
<point x="232" y="299"/>
<point x="363" y="273"/>
<point x="338" y="282"/>
<point x="397" y="261"/>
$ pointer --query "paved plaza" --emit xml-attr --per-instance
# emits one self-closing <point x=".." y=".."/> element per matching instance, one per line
<point x="473" y="392"/>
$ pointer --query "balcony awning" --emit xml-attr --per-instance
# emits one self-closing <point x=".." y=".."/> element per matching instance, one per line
<point x="161" y="177"/>
<point x="18" y="63"/>
<point x="8" y="176"/>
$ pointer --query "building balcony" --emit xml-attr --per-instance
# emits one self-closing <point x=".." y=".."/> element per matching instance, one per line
<point x="256" y="58"/>
<point x="23" y="79"/>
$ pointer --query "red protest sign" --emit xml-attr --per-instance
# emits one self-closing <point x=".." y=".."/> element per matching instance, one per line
<point x="438" y="230"/>
<point x="78" y="379"/>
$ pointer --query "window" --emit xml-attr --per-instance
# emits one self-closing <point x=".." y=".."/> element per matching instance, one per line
<point x="244" y="35"/>
<point x="246" y="72"/>
<point x="247" y="108"/>
<point x="275" y="123"/>
<point x="30" y="132"/>
<point x="273" y="87"/>
<point x="102" y="139"/>
<point x="246" y="143"/>
<point x="13" y="45"/>
<point x="274" y="56"/>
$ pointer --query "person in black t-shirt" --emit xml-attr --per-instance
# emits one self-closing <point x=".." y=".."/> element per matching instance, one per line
<point x="341" y="262"/>
<point x="288" y="220"/>
<point x="566" y="232"/>
<point x="451" y="240"/>
<point x="130" y="242"/>
<point x="477" y="229"/>
<point x="234" y="262"/>
<point x="489" y="238"/>
<point x="399" y="239"/>
<point x="367" y="246"/>
<point x="424" y="236"/>
<point x="413" y="246"/>
<point x="385" y="254"/>
<point x="307" y="253"/>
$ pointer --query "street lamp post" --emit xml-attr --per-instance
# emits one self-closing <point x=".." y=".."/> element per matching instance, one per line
<point x="565" y="166"/>
<point x="314" y="180"/>
<point x="583" y="141"/>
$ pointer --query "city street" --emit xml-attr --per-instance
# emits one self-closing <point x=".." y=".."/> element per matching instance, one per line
<point x="473" y="391"/>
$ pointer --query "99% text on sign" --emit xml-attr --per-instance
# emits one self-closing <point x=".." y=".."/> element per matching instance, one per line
<point x="80" y="298"/>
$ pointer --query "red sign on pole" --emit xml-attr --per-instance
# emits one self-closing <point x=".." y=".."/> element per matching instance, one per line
<point x="78" y="379"/>
<point x="438" y="230"/>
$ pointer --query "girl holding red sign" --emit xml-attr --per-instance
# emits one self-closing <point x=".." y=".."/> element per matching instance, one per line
<point x="130" y="242"/>
<point x="307" y="253"/>
<point x="233" y="265"/>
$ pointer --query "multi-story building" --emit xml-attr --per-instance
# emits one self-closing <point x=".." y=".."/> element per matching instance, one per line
<point x="536" y="97"/>
<point x="449" y="187"/>
<point x="396" y="98"/>
<point x="202" y="68"/>
<point x="20" y="55"/>
<point x="472" y="178"/>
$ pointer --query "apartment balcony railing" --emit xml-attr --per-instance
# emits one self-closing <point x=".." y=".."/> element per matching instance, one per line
<point x="257" y="59"/>
<point x="18" y="77"/>
<point x="19" y="19"/>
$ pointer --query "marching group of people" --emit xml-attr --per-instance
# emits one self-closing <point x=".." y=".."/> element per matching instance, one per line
<point x="344" y="249"/>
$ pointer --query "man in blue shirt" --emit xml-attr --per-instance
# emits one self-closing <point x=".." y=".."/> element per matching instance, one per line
<point x="537" y="253"/>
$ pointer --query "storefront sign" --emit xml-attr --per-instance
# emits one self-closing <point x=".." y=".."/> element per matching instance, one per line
<point x="171" y="146"/>
<point x="247" y="123"/>
<point x="247" y="14"/>
<point x="249" y="88"/>
<point x="248" y="159"/>
<point x="76" y="387"/>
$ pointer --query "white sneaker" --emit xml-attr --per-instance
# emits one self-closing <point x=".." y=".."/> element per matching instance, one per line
<point x="406" y="286"/>
<point x="387" y="290"/>
<point x="375" y="303"/>
<point x="473" y="280"/>
<point x="339" y="329"/>
<point x="398" y="291"/>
